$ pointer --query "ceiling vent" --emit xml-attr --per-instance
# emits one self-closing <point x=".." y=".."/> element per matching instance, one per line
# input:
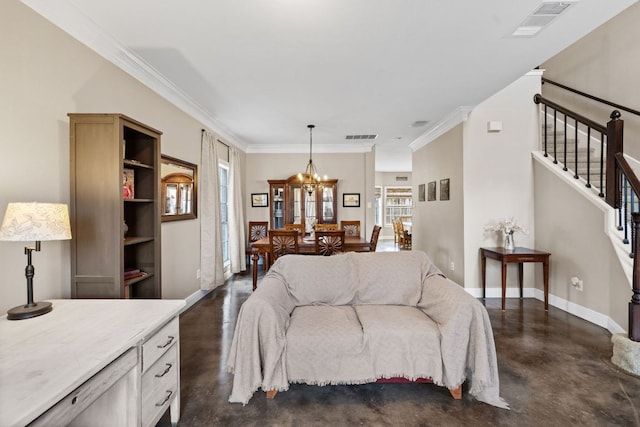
<point x="419" y="123"/>
<point x="361" y="136"/>
<point x="540" y="18"/>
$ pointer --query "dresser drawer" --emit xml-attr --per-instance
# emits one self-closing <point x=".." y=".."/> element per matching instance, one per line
<point x="160" y="385"/>
<point x="157" y="344"/>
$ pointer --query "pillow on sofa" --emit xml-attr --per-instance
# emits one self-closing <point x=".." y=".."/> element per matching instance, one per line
<point x="318" y="280"/>
<point x="390" y="277"/>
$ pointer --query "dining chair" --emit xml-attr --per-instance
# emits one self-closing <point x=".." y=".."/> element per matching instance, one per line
<point x="329" y="242"/>
<point x="257" y="231"/>
<point x="282" y="242"/>
<point x="394" y="222"/>
<point x="297" y="227"/>
<point x="351" y="228"/>
<point x="326" y="227"/>
<point x="373" y="243"/>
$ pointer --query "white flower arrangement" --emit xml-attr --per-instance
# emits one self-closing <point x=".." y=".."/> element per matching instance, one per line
<point x="505" y="226"/>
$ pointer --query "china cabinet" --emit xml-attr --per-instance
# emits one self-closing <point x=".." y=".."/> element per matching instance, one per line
<point x="292" y="205"/>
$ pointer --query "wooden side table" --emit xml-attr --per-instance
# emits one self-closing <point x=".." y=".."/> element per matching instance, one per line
<point x="519" y="255"/>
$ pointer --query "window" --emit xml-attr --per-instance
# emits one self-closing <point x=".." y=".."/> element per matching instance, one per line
<point x="224" y="211"/>
<point x="398" y="203"/>
<point x="378" y="206"/>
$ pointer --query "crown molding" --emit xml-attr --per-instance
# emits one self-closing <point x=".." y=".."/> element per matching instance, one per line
<point x="70" y="19"/>
<point x="304" y="148"/>
<point x="457" y="116"/>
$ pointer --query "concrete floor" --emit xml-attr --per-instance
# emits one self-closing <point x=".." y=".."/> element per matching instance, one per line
<point x="555" y="370"/>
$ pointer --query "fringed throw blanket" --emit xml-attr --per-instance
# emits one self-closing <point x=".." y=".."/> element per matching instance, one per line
<point x="355" y="318"/>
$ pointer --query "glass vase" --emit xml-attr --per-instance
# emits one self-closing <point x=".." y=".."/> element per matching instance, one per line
<point x="508" y="242"/>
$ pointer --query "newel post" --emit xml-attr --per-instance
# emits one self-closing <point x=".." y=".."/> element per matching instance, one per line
<point x="634" y="304"/>
<point x="615" y="129"/>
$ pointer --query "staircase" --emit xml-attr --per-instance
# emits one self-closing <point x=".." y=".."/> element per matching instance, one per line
<point x="594" y="153"/>
<point x="583" y="160"/>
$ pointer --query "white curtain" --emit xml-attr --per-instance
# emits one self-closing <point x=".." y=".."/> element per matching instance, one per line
<point x="211" y="265"/>
<point x="236" y="215"/>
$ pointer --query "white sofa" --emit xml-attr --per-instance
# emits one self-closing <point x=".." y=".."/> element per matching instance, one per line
<point x="356" y="318"/>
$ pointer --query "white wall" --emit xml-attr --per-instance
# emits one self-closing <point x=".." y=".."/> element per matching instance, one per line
<point x="45" y="74"/>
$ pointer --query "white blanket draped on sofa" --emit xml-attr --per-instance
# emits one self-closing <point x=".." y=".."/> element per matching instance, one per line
<point x="360" y="293"/>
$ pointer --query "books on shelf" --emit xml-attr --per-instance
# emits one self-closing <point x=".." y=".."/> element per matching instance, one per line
<point x="132" y="273"/>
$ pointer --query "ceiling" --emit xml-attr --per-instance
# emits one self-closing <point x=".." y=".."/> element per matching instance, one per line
<point x="258" y="71"/>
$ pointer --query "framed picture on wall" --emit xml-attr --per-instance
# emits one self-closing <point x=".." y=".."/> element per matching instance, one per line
<point x="431" y="191"/>
<point x="444" y="189"/>
<point x="351" y="200"/>
<point x="259" y="200"/>
<point x="421" y="193"/>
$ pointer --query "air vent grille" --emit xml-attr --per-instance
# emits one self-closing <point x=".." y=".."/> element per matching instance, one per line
<point x="540" y="18"/>
<point x="361" y="136"/>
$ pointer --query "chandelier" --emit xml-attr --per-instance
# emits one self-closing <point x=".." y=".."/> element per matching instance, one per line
<point x="310" y="180"/>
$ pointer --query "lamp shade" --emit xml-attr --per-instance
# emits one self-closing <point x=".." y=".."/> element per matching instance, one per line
<point x="26" y="222"/>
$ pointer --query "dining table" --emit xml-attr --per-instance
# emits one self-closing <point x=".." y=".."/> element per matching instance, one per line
<point x="306" y="246"/>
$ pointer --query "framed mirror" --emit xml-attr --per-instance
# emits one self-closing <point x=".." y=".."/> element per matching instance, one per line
<point x="179" y="181"/>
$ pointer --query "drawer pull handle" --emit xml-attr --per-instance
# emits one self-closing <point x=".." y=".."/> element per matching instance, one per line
<point x="166" y="399"/>
<point x="168" y="368"/>
<point x="169" y="341"/>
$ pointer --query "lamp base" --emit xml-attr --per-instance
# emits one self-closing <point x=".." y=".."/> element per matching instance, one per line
<point x="28" y="311"/>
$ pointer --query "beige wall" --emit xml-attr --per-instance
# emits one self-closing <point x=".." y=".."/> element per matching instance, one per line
<point x="45" y="74"/>
<point x="605" y="63"/>
<point x="498" y="177"/>
<point x="438" y="225"/>
<point x="351" y="170"/>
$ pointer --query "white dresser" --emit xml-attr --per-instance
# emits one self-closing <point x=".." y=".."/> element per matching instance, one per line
<point x="92" y="362"/>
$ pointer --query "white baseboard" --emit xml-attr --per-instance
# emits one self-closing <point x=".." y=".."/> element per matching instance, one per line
<point x="587" y="314"/>
<point x="194" y="298"/>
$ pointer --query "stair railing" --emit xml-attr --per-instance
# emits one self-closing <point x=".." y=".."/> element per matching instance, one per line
<point x="618" y="184"/>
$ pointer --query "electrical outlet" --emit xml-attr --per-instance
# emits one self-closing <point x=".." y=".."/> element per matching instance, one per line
<point x="452" y="266"/>
<point x="577" y="284"/>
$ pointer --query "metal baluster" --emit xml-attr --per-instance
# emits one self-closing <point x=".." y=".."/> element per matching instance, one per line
<point x="633" y="231"/>
<point x="575" y="170"/>
<point x="546" y="131"/>
<point x="620" y="208"/>
<point x="601" y="194"/>
<point x="555" y="137"/>
<point x="588" y="156"/>
<point x="565" y="144"/>
<point x="626" y="211"/>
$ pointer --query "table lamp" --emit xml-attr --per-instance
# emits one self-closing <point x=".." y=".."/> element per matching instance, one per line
<point x="27" y="222"/>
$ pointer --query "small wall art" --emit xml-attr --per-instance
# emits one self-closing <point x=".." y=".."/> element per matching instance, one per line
<point x="444" y="189"/>
<point x="431" y="191"/>
<point x="351" y="200"/>
<point x="259" y="200"/>
<point x="421" y="193"/>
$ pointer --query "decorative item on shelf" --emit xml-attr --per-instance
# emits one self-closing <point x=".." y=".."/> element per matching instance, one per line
<point x="310" y="179"/>
<point x="128" y="184"/>
<point x="34" y="222"/>
<point x="507" y="227"/>
<point x="125" y="229"/>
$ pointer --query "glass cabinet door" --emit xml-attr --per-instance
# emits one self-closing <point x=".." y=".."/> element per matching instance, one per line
<point x="296" y="208"/>
<point x="310" y="216"/>
<point x="277" y="196"/>
<point x="327" y="205"/>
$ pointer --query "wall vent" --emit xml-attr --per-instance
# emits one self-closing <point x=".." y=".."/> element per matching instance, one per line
<point x="361" y="136"/>
<point x="402" y="178"/>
